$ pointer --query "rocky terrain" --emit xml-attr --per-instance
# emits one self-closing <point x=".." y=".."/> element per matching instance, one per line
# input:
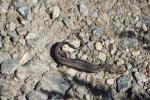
<point x="115" y="32"/>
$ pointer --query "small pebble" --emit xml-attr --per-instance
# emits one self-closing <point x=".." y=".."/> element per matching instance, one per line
<point x="21" y="31"/>
<point x="31" y="35"/>
<point x="107" y="42"/>
<point x="84" y="57"/>
<point x="135" y="53"/>
<point x="25" y="58"/>
<point x="102" y="56"/>
<point x="24" y="11"/>
<point x="83" y="9"/>
<point x="110" y="81"/>
<point x="144" y="27"/>
<point x="22" y="73"/>
<point x="12" y="26"/>
<point x="138" y="24"/>
<point x="113" y="50"/>
<point x="70" y="73"/>
<point x="4" y="56"/>
<point x="98" y="46"/>
<point x="111" y="41"/>
<point x="76" y="43"/>
<point x="129" y="66"/>
<point x="120" y="61"/>
<point x="94" y="14"/>
<point x="67" y="48"/>
<point x="56" y="12"/>
<point x="140" y="78"/>
<point x="15" y="55"/>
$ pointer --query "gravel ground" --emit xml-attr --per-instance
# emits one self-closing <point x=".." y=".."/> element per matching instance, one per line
<point x="110" y="31"/>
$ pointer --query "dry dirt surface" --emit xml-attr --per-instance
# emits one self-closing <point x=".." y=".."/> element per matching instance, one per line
<point x="115" y="32"/>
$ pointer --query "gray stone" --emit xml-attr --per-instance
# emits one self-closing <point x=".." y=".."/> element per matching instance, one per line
<point x="4" y="56"/>
<point x="138" y="24"/>
<point x="6" y="89"/>
<point x="9" y="66"/>
<point x="129" y="42"/>
<point x="96" y="31"/>
<point x="123" y="83"/>
<point x="68" y="23"/>
<point x="24" y="11"/>
<point x="31" y="35"/>
<point x="80" y="91"/>
<point x="12" y="34"/>
<point x="53" y="82"/>
<point x="38" y="67"/>
<point x="83" y="9"/>
<point x="129" y="66"/>
<point x="94" y="14"/>
<point x="37" y="95"/>
<point x="20" y="97"/>
<point x="148" y="91"/>
<point x="18" y="3"/>
<point x="22" y="73"/>
<point x="11" y="26"/>
<point x="40" y="40"/>
<point x="21" y="30"/>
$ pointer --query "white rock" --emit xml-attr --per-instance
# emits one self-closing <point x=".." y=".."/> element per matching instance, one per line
<point x="22" y="73"/>
<point x="100" y="75"/>
<point x="25" y="58"/>
<point x="35" y="2"/>
<point x="140" y="77"/>
<point x="135" y="53"/>
<point x="12" y="26"/>
<point x="138" y="24"/>
<point x="110" y="81"/>
<point x="4" y="56"/>
<point x="31" y="35"/>
<point x="113" y="51"/>
<point x="84" y="57"/>
<point x="111" y="41"/>
<point x="120" y="61"/>
<point x="56" y="12"/>
<point x="102" y="56"/>
<point x="98" y="46"/>
<point x="144" y="27"/>
<point x="67" y="48"/>
<point x="71" y="72"/>
<point x="76" y="43"/>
